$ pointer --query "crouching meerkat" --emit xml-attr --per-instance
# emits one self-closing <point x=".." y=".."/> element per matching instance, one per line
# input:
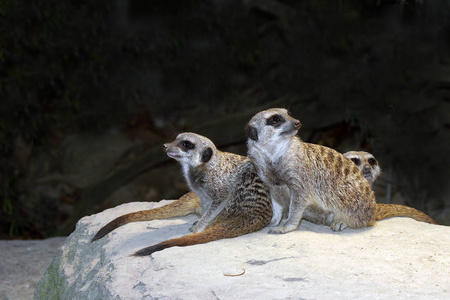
<point x="371" y="170"/>
<point x="315" y="182"/>
<point x="233" y="199"/>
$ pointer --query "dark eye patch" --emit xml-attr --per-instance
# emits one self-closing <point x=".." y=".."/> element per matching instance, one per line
<point x="275" y="120"/>
<point x="357" y="161"/>
<point x="372" y="161"/>
<point x="186" y="145"/>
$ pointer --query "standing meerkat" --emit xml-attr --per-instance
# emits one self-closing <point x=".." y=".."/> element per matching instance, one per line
<point x="315" y="182"/>
<point x="233" y="199"/>
<point x="370" y="168"/>
<point x="323" y="185"/>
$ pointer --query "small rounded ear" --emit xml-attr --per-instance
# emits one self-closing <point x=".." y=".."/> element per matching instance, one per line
<point x="252" y="133"/>
<point x="207" y="154"/>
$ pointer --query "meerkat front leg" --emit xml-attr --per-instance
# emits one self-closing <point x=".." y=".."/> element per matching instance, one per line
<point x="297" y="207"/>
<point x="280" y="204"/>
<point x="277" y="212"/>
<point x="210" y="214"/>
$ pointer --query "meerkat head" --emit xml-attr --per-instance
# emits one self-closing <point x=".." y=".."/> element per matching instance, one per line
<point x="190" y="149"/>
<point x="367" y="163"/>
<point x="271" y="126"/>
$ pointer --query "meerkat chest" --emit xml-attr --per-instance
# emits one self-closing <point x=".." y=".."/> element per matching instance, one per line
<point x="273" y="172"/>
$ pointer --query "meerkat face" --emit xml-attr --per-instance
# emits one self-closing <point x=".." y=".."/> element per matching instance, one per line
<point x="367" y="163"/>
<point x="272" y="125"/>
<point x="190" y="149"/>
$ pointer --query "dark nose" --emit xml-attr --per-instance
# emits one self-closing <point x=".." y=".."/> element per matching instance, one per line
<point x="165" y="147"/>
<point x="297" y="124"/>
<point x="367" y="169"/>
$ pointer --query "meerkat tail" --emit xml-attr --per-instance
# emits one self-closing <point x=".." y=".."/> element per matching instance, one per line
<point x="394" y="210"/>
<point x="187" y="204"/>
<point x="231" y="229"/>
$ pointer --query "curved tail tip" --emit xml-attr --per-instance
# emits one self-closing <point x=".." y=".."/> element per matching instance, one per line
<point x="148" y="250"/>
<point x="142" y="252"/>
<point x="98" y="236"/>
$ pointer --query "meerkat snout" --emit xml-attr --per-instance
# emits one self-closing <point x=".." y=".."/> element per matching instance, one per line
<point x="294" y="127"/>
<point x="287" y="124"/>
<point x="367" y="169"/>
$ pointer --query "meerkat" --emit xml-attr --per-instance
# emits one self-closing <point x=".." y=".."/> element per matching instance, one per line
<point x="233" y="199"/>
<point x="323" y="186"/>
<point x="371" y="170"/>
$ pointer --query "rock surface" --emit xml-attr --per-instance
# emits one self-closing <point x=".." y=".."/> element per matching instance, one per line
<point x="22" y="264"/>
<point x="399" y="258"/>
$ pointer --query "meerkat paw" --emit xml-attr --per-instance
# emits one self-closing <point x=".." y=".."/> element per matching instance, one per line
<point x="276" y="231"/>
<point x="281" y="230"/>
<point x="338" y="226"/>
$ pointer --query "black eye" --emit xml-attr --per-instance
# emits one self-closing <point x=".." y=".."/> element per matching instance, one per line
<point x="275" y="120"/>
<point x="372" y="161"/>
<point x="186" y="145"/>
<point x="357" y="161"/>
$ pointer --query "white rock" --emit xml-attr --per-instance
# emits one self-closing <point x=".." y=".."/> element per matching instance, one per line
<point x="399" y="258"/>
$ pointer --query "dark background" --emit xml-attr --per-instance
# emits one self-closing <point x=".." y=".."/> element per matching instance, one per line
<point x="91" y="89"/>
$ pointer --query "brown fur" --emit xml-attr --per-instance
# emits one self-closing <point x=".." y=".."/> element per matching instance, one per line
<point x="395" y="210"/>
